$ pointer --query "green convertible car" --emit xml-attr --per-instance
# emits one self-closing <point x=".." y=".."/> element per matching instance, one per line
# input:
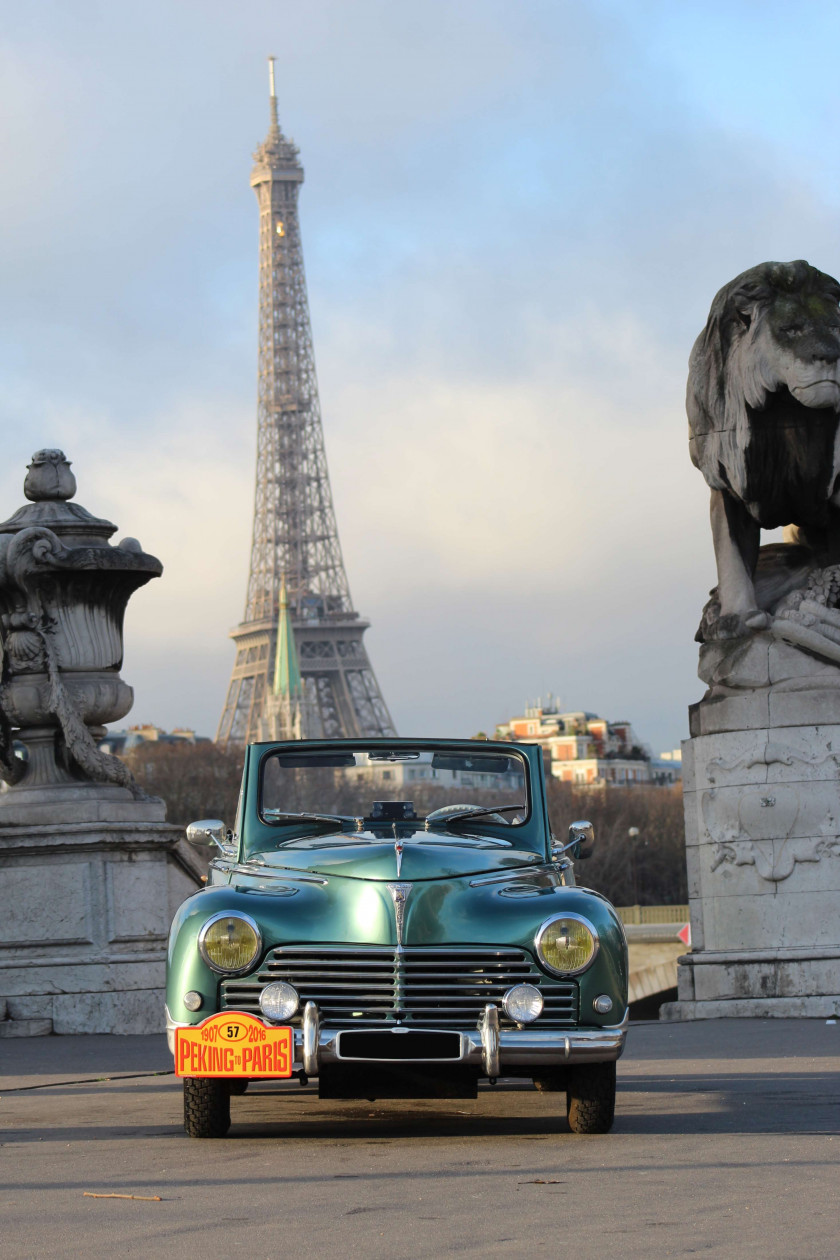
<point x="394" y="918"/>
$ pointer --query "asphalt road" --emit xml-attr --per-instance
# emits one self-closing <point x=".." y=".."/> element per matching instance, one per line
<point x="726" y="1144"/>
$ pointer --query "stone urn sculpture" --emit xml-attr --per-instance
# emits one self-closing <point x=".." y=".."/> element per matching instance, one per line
<point x="90" y="871"/>
<point x="63" y="594"/>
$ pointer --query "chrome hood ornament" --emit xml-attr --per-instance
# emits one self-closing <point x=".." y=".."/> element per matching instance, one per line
<point x="399" y="896"/>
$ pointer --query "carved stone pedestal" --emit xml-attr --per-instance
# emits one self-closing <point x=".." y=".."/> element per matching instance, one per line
<point x="90" y="873"/>
<point x="84" y="915"/>
<point x="761" y="777"/>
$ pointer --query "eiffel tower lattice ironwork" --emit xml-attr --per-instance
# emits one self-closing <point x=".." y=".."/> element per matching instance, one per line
<point x="301" y="668"/>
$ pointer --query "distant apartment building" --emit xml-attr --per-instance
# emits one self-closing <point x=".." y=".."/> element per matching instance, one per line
<point x="589" y="751"/>
<point x="120" y="742"/>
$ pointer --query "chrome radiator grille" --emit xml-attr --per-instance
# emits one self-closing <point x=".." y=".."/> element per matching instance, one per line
<point x="437" y="986"/>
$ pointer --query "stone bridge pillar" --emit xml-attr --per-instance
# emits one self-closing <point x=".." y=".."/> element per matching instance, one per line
<point x="90" y="871"/>
<point x="761" y="772"/>
<point x="761" y="778"/>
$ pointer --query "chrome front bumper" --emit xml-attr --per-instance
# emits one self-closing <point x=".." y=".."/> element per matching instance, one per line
<point x="486" y="1046"/>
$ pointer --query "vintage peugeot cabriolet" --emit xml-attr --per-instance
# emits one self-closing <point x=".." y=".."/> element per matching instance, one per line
<point x="395" y="918"/>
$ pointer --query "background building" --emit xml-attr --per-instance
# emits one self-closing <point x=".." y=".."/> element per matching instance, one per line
<point x="120" y="742"/>
<point x="588" y="750"/>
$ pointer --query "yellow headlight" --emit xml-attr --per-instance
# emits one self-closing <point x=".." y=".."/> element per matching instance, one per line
<point x="229" y="942"/>
<point x="566" y="945"/>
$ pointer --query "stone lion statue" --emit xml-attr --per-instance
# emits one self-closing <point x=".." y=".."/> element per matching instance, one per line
<point x="763" y="403"/>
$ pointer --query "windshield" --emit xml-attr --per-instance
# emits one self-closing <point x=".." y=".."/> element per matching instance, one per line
<point x="442" y="788"/>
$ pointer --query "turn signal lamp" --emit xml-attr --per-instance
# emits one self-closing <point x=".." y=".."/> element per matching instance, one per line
<point x="567" y="944"/>
<point x="229" y="943"/>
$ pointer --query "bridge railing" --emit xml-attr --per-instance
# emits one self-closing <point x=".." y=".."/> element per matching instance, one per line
<point x="652" y="914"/>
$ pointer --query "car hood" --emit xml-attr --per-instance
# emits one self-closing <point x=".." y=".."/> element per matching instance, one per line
<point x="414" y="856"/>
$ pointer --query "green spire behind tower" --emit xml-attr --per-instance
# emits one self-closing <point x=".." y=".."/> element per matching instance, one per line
<point x="287" y="679"/>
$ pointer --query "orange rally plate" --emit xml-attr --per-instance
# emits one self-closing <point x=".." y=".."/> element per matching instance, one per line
<point x="234" y="1044"/>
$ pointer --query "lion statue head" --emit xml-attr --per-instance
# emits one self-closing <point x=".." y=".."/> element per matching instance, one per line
<point x="764" y="391"/>
<point x="763" y="405"/>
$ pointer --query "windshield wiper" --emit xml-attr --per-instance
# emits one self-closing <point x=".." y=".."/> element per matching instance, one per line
<point x="477" y="813"/>
<point x="279" y="815"/>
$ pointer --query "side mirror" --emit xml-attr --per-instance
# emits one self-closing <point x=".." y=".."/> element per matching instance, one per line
<point x="582" y="834"/>
<point x="581" y="841"/>
<point x="209" y="833"/>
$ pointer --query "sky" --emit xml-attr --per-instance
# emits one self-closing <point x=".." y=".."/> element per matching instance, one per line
<point x="515" y="217"/>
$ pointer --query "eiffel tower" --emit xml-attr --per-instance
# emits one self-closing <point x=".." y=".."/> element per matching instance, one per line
<point x="301" y="668"/>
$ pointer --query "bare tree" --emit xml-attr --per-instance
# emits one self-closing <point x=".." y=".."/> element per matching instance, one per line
<point x="195" y="780"/>
<point x="646" y="868"/>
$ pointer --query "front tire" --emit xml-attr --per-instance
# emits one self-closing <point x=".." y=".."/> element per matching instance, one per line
<point x="206" y="1107"/>
<point x="590" y="1097"/>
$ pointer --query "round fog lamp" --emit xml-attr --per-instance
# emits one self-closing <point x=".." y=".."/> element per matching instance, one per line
<point x="523" y="1003"/>
<point x="279" y="1001"/>
<point x="192" y="1000"/>
<point x="603" y="1004"/>
<point x="229" y="942"/>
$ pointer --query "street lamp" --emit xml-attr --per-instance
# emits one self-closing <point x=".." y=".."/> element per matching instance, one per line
<point x="633" y="834"/>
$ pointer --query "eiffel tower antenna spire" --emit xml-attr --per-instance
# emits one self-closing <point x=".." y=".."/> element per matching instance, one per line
<point x="295" y="547"/>
<point x="272" y="94"/>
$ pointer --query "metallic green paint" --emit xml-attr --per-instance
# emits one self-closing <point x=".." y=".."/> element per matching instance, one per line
<point x="425" y="855"/>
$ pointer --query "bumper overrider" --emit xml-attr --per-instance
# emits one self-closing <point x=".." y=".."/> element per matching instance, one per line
<point x="486" y="1046"/>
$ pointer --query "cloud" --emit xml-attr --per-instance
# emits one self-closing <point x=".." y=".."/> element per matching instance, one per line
<point x="514" y="219"/>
